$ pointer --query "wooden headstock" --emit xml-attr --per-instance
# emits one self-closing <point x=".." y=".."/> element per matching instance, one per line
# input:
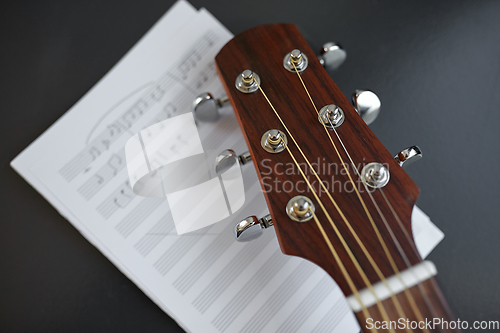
<point x="262" y="50"/>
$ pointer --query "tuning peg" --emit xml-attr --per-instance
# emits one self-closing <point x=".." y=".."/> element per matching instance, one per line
<point x="408" y="156"/>
<point x="367" y="104"/>
<point x="332" y="56"/>
<point x="251" y="228"/>
<point x="227" y="158"/>
<point x="206" y="107"/>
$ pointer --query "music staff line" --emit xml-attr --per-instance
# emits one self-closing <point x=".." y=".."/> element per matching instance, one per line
<point x="117" y="161"/>
<point x="102" y="142"/>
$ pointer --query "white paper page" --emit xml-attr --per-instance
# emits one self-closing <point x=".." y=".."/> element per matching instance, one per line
<point x="425" y="233"/>
<point x="205" y="280"/>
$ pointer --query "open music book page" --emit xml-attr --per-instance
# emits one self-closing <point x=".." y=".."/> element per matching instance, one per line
<point x="205" y="280"/>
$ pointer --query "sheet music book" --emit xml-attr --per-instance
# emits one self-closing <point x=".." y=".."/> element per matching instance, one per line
<point x="205" y="280"/>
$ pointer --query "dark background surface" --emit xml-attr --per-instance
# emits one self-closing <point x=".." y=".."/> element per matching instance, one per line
<point x="434" y="64"/>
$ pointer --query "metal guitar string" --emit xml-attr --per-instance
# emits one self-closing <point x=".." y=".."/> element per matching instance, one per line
<point x="348" y="250"/>
<point x="384" y="246"/>
<point x="389" y="256"/>
<point x="412" y="245"/>
<point x="365" y="251"/>
<point x="330" y="245"/>
<point x="394" y="238"/>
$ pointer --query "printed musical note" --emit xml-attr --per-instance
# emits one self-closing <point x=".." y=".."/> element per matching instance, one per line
<point x="115" y="162"/>
<point x="119" y="198"/>
<point x="106" y="143"/>
<point x="205" y="75"/>
<point x="124" y="196"/>
<point x="114" y="129"/>
<point x="203" y="79"/>
<point x="169" y="109"/>
<point x="157" y="93"/>
<point x="189" y="63"/>
<point x="106" y="172"/>
<point x="99" y="178"/>
<point x="129" y="118"/>
<point x="210" y="41"/>
<point x="123" y="125"/>
<point x="94" y="152"/>
<point x="141" y="106"/>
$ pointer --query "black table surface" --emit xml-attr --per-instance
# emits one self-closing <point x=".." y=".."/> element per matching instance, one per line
<point x="434" y="64"/>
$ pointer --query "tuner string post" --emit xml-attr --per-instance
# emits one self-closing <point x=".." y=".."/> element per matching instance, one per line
<point x="299" y="208"/>
<point x="295" y="60"/>
<point x="274" y="141"/>
<point x="247" y="82"/>
<point x="331" y="116"/>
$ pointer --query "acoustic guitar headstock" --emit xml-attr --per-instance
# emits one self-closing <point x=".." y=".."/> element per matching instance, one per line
<point x="280" y="92"/>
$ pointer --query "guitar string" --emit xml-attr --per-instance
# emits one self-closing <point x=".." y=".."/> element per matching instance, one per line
<point x="379" y="236"/>
<point x="393" y="236"/>
<point x="339" y="262"/>
<point x="412" y="245"/>
<point x="408" y="294"/>
<point x="365" y="311"/>
<point x="348" y="278"/>
<point x="366" y="252"/>
<point x="348" y="250"/>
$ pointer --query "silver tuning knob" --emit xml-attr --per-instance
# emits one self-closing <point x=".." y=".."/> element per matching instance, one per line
<point x="367" y="104"/>
<point x="407" y="156"/>
<point x="206" y="107"/>
<point x="332" y="56"/>
<point x="251" y="228"/>
<point x="227" y="158"/>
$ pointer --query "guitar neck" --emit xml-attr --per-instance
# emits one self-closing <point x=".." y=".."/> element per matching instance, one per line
<point x="436" y="315"/>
